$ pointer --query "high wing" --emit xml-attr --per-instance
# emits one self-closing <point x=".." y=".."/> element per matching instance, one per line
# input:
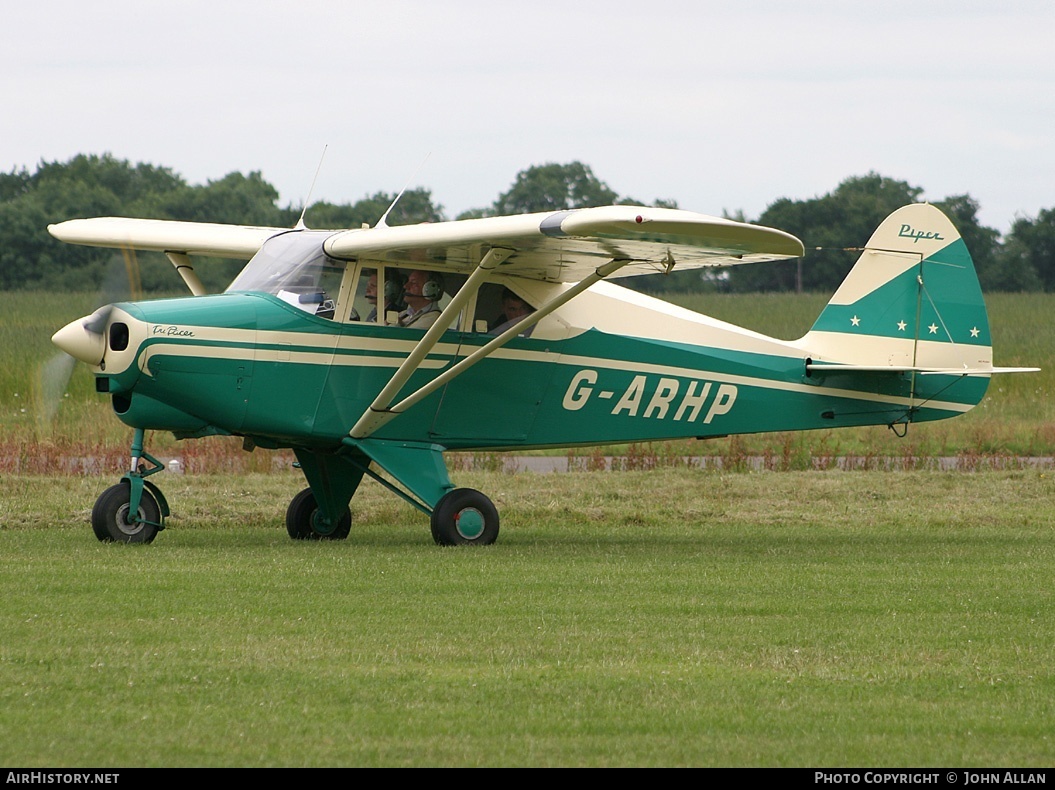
<point x="567" y="246"/>
<point x="187" y="238"/>
<point x="557" y="246"/>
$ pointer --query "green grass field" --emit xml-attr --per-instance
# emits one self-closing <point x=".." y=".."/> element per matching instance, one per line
<point x="665" y="618"/>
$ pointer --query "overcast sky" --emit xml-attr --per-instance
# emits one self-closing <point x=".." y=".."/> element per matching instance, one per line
<point x="721" y="106"/>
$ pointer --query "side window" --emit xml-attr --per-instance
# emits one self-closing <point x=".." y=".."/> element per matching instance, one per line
<point x="488" y="307"/>
<point x="364" y="304"/>
<point x="498" y="308"/>
<point x="395" y="285"/>
<point x="378" y="304"/>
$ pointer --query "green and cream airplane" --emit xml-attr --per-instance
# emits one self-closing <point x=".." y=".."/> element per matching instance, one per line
<point x="297" y="353"/>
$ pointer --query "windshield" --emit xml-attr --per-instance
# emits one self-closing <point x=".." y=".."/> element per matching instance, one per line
<point x="293" y="267"/>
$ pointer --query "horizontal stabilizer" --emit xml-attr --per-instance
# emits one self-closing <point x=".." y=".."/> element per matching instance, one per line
<point x="964" y="371"/>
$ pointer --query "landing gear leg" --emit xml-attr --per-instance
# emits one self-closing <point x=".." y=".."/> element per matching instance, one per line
<point x="134" y="510"/>
<point x="320" y="512"/>
<point x="458" y="516"/>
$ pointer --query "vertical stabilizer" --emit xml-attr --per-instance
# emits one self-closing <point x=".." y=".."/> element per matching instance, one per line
<point x="911" y="300"/>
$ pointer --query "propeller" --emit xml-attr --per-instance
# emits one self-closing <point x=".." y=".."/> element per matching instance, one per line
<point x="53" y="376"/>
<point x="85" y="338"/>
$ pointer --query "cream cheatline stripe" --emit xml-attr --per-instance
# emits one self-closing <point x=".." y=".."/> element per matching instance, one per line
<point x="255" y="337"/>
<point x="325" y="356"/>
<point x="750" y="381"/>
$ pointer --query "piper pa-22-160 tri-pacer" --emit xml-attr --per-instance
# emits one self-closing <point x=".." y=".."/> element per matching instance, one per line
<point x="307" y="349"/>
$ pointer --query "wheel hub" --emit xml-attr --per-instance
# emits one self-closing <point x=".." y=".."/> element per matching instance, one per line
<point x="321" y="525"/>
<point x="470" y="523"/>
<point x="126" y="525"/>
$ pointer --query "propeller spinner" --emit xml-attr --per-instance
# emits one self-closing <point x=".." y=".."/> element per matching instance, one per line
<point x="85" y="338"/>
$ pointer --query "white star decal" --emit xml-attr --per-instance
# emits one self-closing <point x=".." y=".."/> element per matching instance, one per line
<point x="974" y="332"/>
<point x="855" y="321"/>
<point x="933" y="329"/>
<point x="901" y="326"/>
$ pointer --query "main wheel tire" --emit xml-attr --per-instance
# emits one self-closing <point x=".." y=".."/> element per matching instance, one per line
<point x="303" y="521"/>
<point x="111" y="521"/>
<point x="464" y="517"/>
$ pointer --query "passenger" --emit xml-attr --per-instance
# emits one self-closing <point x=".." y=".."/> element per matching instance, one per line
<point x="422" y="295"/>
<point x="393" y="292"/>
<point x="514" y="309"/>
<point x="371" y="296"/>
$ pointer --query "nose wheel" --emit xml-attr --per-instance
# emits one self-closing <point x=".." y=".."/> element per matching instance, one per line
<point x="114" y="521"/>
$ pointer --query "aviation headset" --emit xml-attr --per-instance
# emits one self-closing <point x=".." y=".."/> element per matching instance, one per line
<point x="393" y="287"/>
<point x="433" y="288"/>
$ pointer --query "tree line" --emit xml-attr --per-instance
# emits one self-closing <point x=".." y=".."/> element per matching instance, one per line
<point x="831" y="226"/>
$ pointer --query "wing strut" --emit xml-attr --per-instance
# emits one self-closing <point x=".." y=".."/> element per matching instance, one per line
<point x="379" y="408"/>
<point x="377" y="415"/>
<point x="181" y="261"/>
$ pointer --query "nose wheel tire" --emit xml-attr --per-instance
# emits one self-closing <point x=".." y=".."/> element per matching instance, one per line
<point x="305" y="522"/>
<point x="112" y="522"/>
<point x="464" y="517"/>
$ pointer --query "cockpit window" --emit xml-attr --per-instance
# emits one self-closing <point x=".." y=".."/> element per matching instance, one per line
<point x="293" y="267"/>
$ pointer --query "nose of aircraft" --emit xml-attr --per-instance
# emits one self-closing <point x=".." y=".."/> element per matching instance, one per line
<point x="85" y="338"/>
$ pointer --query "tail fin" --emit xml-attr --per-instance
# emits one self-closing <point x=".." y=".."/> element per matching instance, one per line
<point x="912" y="302"/>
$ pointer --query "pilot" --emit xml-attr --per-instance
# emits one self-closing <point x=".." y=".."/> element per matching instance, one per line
<point x="393" y="294"/>
<point x="514" y="308"/>
<point x="422" y="295"/>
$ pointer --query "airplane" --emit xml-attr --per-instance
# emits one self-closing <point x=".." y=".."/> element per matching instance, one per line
<point x="297" y="354"/>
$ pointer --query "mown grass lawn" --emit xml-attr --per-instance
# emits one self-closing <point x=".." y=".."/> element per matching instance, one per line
<point x="675" y="617"/>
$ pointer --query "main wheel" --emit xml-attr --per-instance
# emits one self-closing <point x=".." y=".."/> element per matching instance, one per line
<point x="304" y="522"/>
<point x="464" y="517"/>
<point x="111" y="520"/>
